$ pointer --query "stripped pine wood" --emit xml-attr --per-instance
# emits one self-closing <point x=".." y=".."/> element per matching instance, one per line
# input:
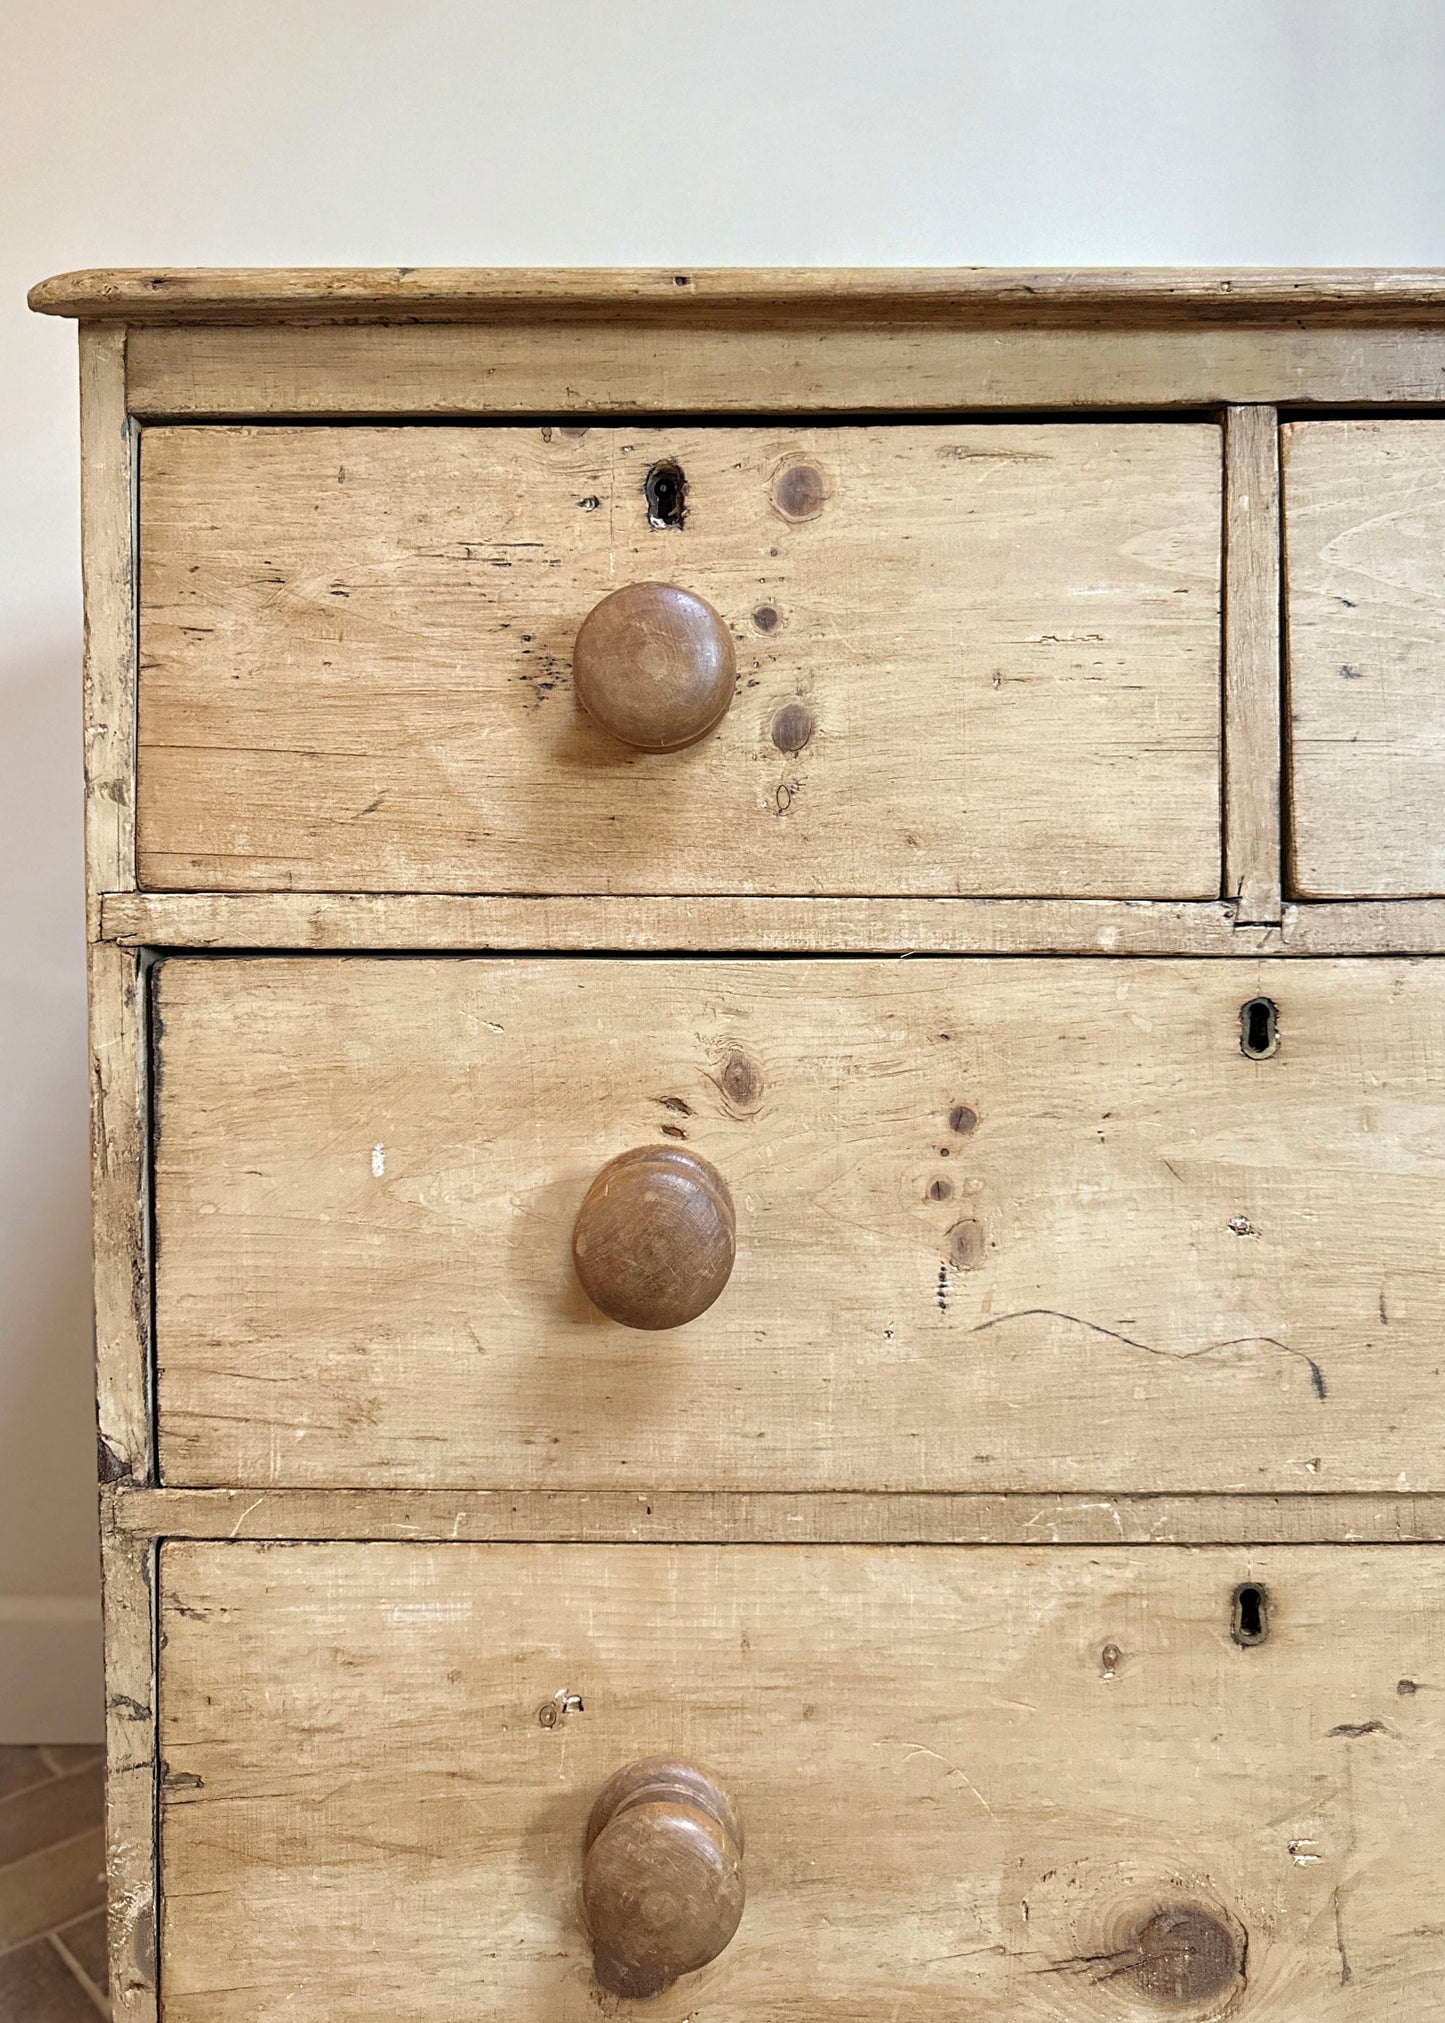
<point x="1097" y="295"/>
<point x="128" y="1589"/>
<point x="1053" y="1318"/>
<point x="773" y="1517"/>
<point x="1365" y="524"/>
<point x="1000" y="1224"/>
<point x="984" y="1783"/>
<point x="1252" y="663"/>
<point x="120" y="1208"/>
<point x="108" y="440"/>
<point x="410" y="920"/>
<point x="1381" y="927"/>
<point x="585" y="368"/>
<point x="956" y="648"/>
<point x="415" y="920"/>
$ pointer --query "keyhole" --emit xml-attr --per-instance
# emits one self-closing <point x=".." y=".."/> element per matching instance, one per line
<point x="1251" y="1614"/>
<point x="665" y="490"/>
<point x="1258" y="1028"/>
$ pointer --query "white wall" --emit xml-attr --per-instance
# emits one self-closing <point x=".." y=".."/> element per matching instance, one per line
<point x="675" y="132"/>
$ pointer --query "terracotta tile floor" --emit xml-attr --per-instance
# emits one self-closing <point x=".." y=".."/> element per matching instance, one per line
<point x="52" y="1886"/>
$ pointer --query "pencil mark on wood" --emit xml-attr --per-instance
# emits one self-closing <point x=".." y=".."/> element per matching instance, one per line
<point x="1205" y="1349"/>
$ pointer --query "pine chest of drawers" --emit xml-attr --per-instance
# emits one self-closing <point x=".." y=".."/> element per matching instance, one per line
<point x="768" y="1012"/>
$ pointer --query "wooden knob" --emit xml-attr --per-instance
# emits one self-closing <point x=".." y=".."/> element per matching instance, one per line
<point x="654" y="665"/>
<point x="655" y="1237"/>
<point x="662" y="1879"/>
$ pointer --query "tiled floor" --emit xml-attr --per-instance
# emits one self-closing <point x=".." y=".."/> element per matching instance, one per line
<point x="52" y="1886"/>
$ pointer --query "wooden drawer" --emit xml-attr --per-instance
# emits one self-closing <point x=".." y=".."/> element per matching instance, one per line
<point x="1017" y="1784"/>
<point x="1001" y="1224"/>
<point x="971" y="659"/>
<point x="1365" y="549"/>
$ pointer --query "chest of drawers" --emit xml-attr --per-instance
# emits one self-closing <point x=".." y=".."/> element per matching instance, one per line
<point x="768" y="1004"/>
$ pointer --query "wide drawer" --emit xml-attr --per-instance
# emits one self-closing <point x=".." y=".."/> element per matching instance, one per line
<point x="1003" y="1224"/>
<point x="969" y="659"/>
<point x="1017" y="1785"/>
<point x="1365" y="550"/>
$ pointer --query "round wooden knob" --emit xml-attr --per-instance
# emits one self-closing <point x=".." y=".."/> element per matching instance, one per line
<point x="662" y="1879"/>
<point x="655" y="1237"/>
<point x="654" y="665"/>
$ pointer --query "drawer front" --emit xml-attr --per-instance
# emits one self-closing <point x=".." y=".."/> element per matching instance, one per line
<point x="999" y="1224"/>
<point x="1365" y="541"/>
<point x="1021" y="1785"/>
<point x="969" y="659"/>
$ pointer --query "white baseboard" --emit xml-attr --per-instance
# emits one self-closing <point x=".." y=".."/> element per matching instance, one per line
<point x="50" y="1669"/>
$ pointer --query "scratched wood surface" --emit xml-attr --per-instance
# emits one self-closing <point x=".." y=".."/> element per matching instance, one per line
<point x="776" y="1517"/>
<point x="1252" y="663"/>
<point x="1002" y="1224"/>
<point x="453" y="921"/>
<point x="1223" y="1277"/>
<point x="1095" y="296"/>
<point x="128" y="1582"/>
<point x="1365" y="537"/>
<point x="968" y="1780"/>
<point x="997" y="648"/>
<point x="585" y="367"/>
<point x="411" y="921"/>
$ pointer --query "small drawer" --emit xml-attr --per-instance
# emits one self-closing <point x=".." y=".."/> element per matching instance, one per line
<point x="1016" y="1783"/>
<point x="993" y="1224"/>
<point x="953" y="659"/>
<point x="1364" y="509"/>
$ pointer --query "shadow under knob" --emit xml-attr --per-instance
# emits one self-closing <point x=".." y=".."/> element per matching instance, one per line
<point x="655" y="1238"/>
<point x="654" y="665"/>
<point x="662" y="1879"/>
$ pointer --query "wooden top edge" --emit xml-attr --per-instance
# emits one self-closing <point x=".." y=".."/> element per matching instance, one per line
<point x="244" y="294"/>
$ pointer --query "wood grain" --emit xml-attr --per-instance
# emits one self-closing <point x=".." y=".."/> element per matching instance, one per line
<point x="120" y="1206"/>
<point x="662" y="1874"/>
<point x="128" y="1587"/>
<point x="107" y="511"/>
<point x="772" y="1517"/>
<point x="654" y="666"/>
<point x="912" y="927"/>
<point x="116" y="1012"/>
<point x="423" y="920"/>
<point x="585" y="369"/>
<point x="931" y="1773"/>
<point x="1252" y="675"/>
<point x="357" y="646"/>
<point x="656" y="1237"/>
<point x="1365" y="530"/>
<point x="1156" y="1297"/>
<point x="1001" y="1224"/>
<point x="1140" y="294"/>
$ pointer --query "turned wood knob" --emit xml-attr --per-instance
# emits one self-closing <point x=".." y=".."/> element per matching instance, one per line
<point x="662" y="1878"/>
<point x="654" y="665"/>
<point x="655" y="1237"/>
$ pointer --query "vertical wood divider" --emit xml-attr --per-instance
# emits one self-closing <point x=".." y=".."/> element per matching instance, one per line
<point x="119" y="1129"/>
<point x="120" y="1211"/>
<point x="118" y="1067"/>
<point x="1252" y="672"/>
<point x="128" y="1577"/>
<point x="108" y="439"/>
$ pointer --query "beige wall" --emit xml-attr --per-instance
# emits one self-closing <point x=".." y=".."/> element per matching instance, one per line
<point x="681" y="132"/>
